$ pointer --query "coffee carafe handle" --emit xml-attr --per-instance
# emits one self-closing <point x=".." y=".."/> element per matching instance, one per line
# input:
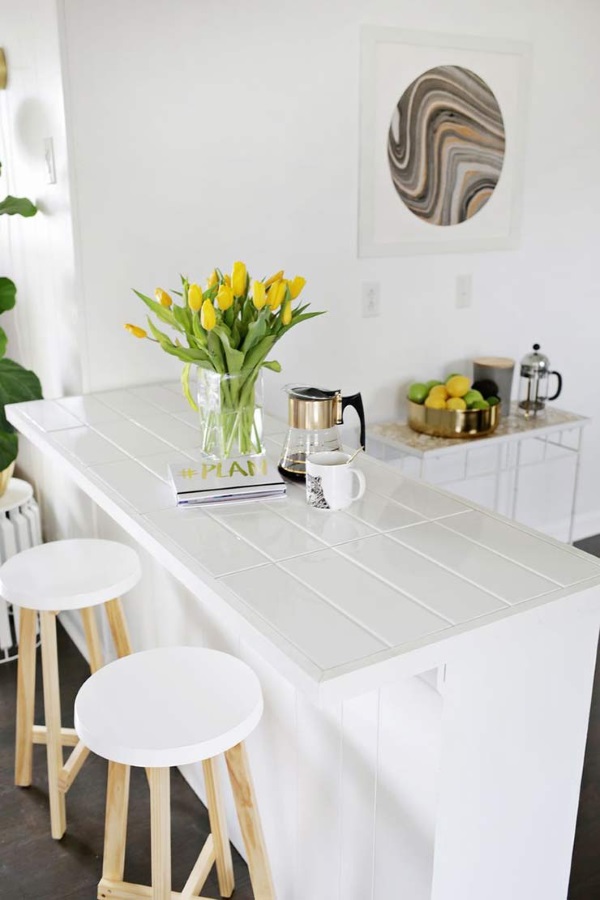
<point x="558" y="387"/>
<point x="355" y="400"/>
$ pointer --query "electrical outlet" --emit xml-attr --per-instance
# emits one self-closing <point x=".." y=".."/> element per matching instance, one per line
<point x="371" y="300"/>
<point x="464" y="291"/>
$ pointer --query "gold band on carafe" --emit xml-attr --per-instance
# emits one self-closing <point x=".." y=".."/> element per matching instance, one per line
<point x="314" y="415"/>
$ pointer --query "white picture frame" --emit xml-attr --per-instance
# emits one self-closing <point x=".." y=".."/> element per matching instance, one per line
<point x="391" y="59"/>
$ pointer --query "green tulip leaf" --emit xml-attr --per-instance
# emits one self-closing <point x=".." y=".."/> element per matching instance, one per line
<point x="3" y="341"/>
<point x="9" y="446"/>
<point x="185" y="383"/>
<point x="17" y="206"/>
<point x="161" y="312"/>
<point x="8" y="294"/>
<point x="235" y="358"/>
<point x="273" y="365"/>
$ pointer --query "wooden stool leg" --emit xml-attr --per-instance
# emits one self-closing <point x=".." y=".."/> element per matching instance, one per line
<point x="118" y="626"/>
<point x="92" y="637"/>
<point x="115" y="829"/>
<point x="58" y="819"/>
<point x="218" y="827"/>
<point x="247" y="811"/>
<point x="25" y="698"/>
<point x="160" y="818"/>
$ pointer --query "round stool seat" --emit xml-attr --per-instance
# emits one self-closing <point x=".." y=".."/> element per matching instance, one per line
<point x="70" y="574"/>
<point x="168" y="707"/>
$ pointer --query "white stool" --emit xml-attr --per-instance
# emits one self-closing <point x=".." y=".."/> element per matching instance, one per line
<point x="50" y="578"/>
<point x="169" y="707"/>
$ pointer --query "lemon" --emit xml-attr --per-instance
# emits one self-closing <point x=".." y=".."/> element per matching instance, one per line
<point x="458" y="385"/>
<point x="456" y="403"/>
<point x="439" y="391"/>
<point x="436" y="402"/>
<point x="417" y="392"/>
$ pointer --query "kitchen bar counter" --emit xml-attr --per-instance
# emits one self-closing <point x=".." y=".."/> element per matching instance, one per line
<point x="347" y="607"/>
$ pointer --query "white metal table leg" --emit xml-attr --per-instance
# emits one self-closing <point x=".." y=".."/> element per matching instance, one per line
<point x="575" y="487"/>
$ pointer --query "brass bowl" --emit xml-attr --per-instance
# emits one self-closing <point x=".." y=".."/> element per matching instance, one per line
<point x="453" y="423"/>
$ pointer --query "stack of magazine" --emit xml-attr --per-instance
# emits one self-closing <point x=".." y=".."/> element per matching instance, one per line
<point x="204" y="482"/>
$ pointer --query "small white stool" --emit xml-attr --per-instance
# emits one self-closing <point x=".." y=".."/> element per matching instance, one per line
<point x="169" y="707"/>
<point x="50" y="578"/>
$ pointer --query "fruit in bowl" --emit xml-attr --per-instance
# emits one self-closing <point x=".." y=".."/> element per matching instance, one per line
<point x="439" y="395"/>
<point x="454" y="408"/>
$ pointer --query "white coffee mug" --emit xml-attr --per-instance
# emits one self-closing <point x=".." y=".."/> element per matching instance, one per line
<point x="330" y="480"/>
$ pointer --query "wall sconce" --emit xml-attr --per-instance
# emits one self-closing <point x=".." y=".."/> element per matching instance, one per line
<point x="3" y="72"/>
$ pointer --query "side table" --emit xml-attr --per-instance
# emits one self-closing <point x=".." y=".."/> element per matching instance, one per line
<point x="20" y="528"/>
<point x="516" y="444"/>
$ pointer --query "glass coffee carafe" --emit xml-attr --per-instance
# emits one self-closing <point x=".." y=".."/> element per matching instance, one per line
<point x="534" y="385"/>
<point x="313" y="416"/>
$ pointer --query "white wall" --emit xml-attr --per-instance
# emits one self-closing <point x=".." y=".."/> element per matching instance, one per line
<point x="204" y="132"/>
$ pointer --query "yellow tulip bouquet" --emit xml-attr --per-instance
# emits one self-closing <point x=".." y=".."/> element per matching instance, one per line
<point x="226" y="331"/>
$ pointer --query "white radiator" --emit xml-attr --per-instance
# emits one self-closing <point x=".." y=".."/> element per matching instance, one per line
<point x="20" y="528"/>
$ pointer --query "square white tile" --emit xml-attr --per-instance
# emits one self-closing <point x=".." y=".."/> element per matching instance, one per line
<point x="556" y="562"/>
<point x="49" y="415"/>
<point x="259" y="525"/>
<point x="216" y="548"/>
<point x="158" y="463"/>
<point x="306" y="620"/>
<point x="330" y="527"/>
<point x="173" y="431"/>
<point x="136" y="485"/>
<point x="160" y="396"/>
<point x="131" y="438"/>
<point x="441" y="591"/>
<point x="490" y="571"/>
<point x="89" y="410"/>
<point x="387" y="613"/>
<point x="87" y="446"/>
<point x="128" y="404"/>
<point x="383" y="514"/>
<point x="415" y="495"/>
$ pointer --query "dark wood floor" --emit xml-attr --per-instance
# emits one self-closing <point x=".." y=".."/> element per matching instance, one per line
<point x="33" y="866"/>
<point x="585" y="869"/>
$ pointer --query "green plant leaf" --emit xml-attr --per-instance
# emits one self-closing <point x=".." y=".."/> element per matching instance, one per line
<point x="256" y="331"/>
<point x="183" y="317"/>
<point x="273" y="365"/>
<point x="185" y="383"/>
<point x="3" y="341"/>
<point x="9" y="446"/>
<point x="16" y="386"/>
<point x="17" y="206"/>
<point x="8" y="294"/>
<point x="256" y="356"/>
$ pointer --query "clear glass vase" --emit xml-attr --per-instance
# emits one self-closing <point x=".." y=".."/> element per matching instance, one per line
<point x="231" y="414"/>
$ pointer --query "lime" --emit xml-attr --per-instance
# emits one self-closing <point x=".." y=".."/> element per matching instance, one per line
<point x="417" y="392"/>
<point x="493" y="401"/>
<point x="432" y="384"/>
<point x="458" y="385"/>
<point x="481" y="404"/>
<point x="471" y="396"/>
<point x="456" y="403"/>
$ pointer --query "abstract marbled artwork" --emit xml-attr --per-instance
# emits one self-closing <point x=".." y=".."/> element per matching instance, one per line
<point x="446" y="145"/>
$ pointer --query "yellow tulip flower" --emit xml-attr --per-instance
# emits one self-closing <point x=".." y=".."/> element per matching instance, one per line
<point x="276" y="277"/>
<point x="296" y="286"/>
<point x="136" y="331"/>
<point x="259" y="294"/>
<point x="227" y="280"/>
<point x="286" y="316"/>
<point x="224" y="297"/>
<point x="213" y="278"/>
<point x="194" y="297"/>
<point x="276" y="294"/>
<point x="163" y="298"/>
<point x="208" y="317"/>
<point x="238" y="278"/>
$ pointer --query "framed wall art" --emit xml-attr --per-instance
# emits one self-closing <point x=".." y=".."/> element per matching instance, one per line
<point x="442" y="142"/>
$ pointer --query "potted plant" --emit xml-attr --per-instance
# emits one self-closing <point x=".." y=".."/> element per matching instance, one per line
<point x="16" y="383"/>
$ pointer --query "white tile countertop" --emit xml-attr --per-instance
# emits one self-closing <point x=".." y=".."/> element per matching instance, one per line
<point x="339" y="602"/>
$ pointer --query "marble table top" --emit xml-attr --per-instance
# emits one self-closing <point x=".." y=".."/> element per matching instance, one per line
<point x="512" y="427"/>
<point x="337" y="601"/>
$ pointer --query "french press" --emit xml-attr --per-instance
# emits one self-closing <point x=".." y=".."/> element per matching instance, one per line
<point x="534" y="384"/>
<point x="313" y="414"/>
